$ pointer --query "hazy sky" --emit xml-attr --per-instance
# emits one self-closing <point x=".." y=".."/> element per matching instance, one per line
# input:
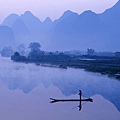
<point x="52" y="8"/>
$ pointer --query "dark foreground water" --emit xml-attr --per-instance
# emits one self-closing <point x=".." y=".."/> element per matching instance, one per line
<point x="25" y="90"/>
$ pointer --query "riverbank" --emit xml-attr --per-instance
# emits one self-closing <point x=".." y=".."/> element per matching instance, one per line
<point x="105" y="65"/>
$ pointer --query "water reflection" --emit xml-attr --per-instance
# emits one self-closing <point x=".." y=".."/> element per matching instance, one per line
<point x="16" y="105"/>
<point x="28" y="77"/>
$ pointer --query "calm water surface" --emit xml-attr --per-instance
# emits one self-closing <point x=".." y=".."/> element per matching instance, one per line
<point x="25" y="90"/>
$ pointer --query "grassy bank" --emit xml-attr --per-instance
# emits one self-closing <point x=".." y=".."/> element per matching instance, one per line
<point x="105" y="65"/>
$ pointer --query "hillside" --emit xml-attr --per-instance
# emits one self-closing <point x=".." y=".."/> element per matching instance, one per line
<point x="71" y="31"/>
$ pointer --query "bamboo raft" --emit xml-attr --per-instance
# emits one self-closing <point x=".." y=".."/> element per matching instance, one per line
<point x="73" y="100"/>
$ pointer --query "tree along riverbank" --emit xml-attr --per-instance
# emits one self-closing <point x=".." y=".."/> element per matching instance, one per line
<point x="105" y="65"/>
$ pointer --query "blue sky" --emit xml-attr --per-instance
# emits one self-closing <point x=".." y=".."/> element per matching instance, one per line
<point x="52" y="8"/>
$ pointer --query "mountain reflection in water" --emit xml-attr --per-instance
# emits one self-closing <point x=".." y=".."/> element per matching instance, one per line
<point x="40" y="83"/>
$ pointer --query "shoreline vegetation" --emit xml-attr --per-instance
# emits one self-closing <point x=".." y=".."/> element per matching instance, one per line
<point x="101" y="64"/>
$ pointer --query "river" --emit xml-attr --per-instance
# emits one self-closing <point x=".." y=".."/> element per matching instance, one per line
<point x="25" y="90"/>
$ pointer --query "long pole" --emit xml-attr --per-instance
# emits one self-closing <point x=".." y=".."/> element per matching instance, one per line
<point x="80" y="106"/>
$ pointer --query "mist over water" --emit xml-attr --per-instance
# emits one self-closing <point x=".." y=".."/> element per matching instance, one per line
<point x="28" y="76"/>
<point x="32" y="86"/>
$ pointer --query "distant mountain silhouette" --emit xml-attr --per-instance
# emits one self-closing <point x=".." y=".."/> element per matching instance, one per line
<point x="111" y="19"/>
<point x="6" y="37"/>
<point x="70" y="31"/>
<point x="88" y="30"/>
<point x="37" y="29"/>
<point x="21" y="32"/>
<point x="9" y="21"/>
<point x="33" y="24"/>
<point x="81" y="32"/>
<point x="65" y="15"/>
<point x="47" y="25"/>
